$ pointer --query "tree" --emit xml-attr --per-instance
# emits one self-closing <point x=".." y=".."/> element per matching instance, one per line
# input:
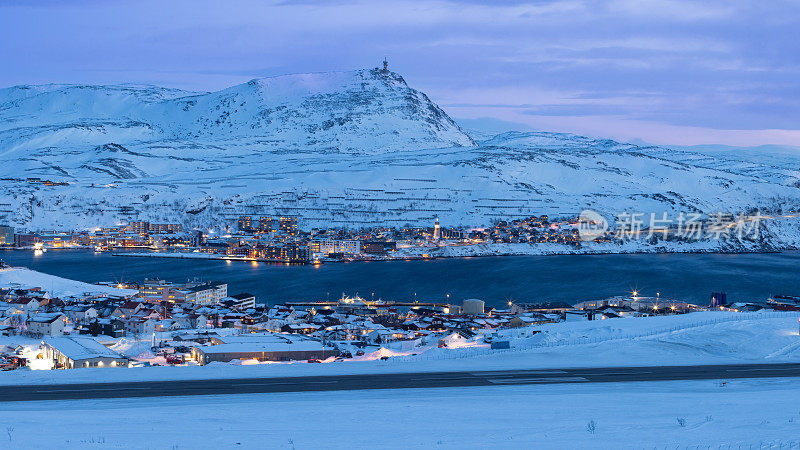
<point x="94" y="328"/>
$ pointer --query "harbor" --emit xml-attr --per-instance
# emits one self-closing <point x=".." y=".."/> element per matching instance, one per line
<point x="524" y="279"/>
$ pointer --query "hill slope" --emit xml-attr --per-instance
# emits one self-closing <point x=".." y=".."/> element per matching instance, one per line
<point x="337" y="149"/>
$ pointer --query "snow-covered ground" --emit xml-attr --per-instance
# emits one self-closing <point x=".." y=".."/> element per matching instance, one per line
<point x="740" y="414"/>
<point x="787" y="238"/>
<point x="22" y="278"/>
<point x="698" y="338"/>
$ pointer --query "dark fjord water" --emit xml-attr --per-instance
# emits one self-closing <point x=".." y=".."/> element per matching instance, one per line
<point x="570" y="278"/>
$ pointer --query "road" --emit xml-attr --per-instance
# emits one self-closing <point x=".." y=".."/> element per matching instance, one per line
<point x="391" y="381"/>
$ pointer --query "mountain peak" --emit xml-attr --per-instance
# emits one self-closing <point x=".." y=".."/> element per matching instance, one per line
<point x="360" y="111"/>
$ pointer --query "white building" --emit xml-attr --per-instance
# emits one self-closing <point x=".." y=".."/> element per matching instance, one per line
<point x="576" y="316"/>
<point x="472" y="306"/>
<point x="80" y="313"/>
<point x="328" y="246"/>
<point x="241" y="301"/>
<point x="46" y="324"/>
<point x="139" y="325"/>
<point x="81" y="352"/>
<point x="206" y="293"/>
<point x="29" y="306"/>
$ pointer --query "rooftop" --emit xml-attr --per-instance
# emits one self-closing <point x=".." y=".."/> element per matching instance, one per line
<point x="45" y="317"/>
<point x="264" y="343"/>
<point x="77" y="348"/>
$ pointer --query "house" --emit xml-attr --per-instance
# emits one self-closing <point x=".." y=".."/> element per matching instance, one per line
<point x="577" y="316"/>
<point x="301" y="328"/>
<point x="81" y="352"/>
<point x="9" y="310"/>
<point x="28" y="305"/>
<point x="519" y="321"/>
<point x="46" y="324"/>
<point x="166" y="325"/>
<point x="273" y="324"/>
<point x="108" y="327"/>
<point x="111" y="327"/>
<point x="80" y="313"/>
<point x="146" y="313"/>
<point x="128" y="308"/>
<point x="139" y="325"/>
<point x="190" y="320"/>
<point x="385" y="336"/>
<point x="610" y="312"/>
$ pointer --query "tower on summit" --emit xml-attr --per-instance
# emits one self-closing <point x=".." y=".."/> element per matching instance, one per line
<point x="385" y="66"/>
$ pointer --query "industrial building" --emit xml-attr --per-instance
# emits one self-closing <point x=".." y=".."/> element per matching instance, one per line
<point x="80" y="352"/>
<point x="472" y="306"/>
<point x="263" y="347"/>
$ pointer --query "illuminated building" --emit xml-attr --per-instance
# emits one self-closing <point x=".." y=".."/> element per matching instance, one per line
<point x="6" y="235"/>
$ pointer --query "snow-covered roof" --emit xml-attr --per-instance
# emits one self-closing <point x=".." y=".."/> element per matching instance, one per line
<point x="78" y="308"/>
<point x="303" y="326"/>
<point x="264" y="343"/>
<point x="57" y="286"/>
<point x="45" y="317"/>
<point x="78" y="348"/>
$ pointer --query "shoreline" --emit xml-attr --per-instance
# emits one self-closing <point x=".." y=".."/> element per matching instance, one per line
<point x="205" y="256"/>
<point x="594" y="252"/>
<point x="527" y="280"/>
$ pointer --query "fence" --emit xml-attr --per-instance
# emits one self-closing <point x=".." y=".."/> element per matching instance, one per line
<point x="467" y="352"/>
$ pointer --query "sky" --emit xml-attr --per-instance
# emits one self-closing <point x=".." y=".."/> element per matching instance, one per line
<point x="645" y="71"/>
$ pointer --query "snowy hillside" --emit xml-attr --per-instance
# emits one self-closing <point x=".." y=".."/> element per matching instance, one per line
<point x="336" y="149"/>
<point x="24" y="278"/>
<point x="359" y="111"/>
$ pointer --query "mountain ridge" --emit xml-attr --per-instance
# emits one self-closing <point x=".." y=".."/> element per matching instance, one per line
<point x="350" y="106"/>
<point x="357" y="148"/>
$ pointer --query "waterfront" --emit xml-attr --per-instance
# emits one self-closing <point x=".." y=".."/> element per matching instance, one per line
<point x="570" y="278"/>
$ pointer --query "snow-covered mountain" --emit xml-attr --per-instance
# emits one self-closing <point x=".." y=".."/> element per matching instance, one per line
<point x="336" y="149"/>
<point x="363" y="111"/>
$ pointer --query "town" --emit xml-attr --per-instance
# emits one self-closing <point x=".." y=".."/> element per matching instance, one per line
<point x="64" y="324"/>
<point x="399" y="225"/>
<point x="281" y="239"/>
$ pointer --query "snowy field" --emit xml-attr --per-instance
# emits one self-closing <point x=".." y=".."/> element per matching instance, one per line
<point x="56" y="286"/>
<point x="698" y="338"/>
<point x="741" y="414"/>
